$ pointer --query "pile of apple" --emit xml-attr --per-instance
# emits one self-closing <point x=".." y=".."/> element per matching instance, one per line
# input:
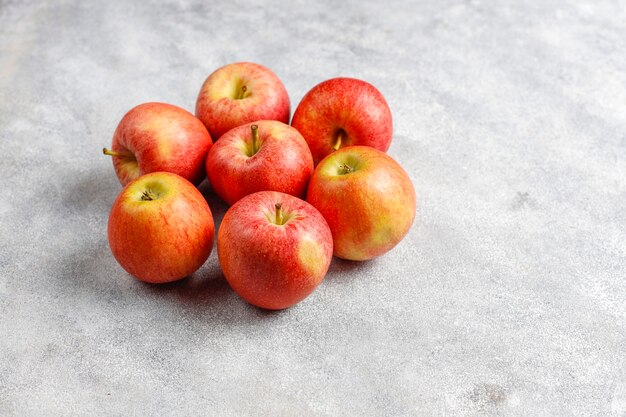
<point x="298" y="193"/>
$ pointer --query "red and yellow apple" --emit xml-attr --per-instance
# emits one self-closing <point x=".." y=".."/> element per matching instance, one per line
<point x="261" y="156"/>
<point x="367" y="199"/>
<point x="343" y="112"/>
<point x="156" y="137"/>
<point x="241" y="93"/>
<point x="160" y="228"/>
<point x="274" y="249"/>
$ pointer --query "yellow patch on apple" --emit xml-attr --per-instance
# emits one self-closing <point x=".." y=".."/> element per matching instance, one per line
<point x="311" y="256"/>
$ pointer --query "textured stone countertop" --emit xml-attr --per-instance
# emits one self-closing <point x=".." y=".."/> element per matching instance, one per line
<point x="507" y="297"/>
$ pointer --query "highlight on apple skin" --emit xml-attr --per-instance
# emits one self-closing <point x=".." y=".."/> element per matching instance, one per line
<point x="274" y="249"/>
<point x="160" y="228"/>
<point x="265" y="155"/>
<point x="154" y="137"/>
<point x="367" y="199"/>
<point x="343" y="112"/>
<point x="241" y="93"/>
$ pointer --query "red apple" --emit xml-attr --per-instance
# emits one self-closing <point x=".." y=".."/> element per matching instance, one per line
<point x="241" y="93"/>
<point x="343" y="112"/>
<point x="160" y="228"/>
<point x="274" y="249"/>
<point x="366" y="198"/>
<point x="262" y="156"/>
<point x="159" y="137"/>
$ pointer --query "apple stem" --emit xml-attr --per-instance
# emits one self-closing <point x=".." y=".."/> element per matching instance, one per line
<point x="126" y="155"/>
<point x="255" y="139"/>
<point x="279" y="213"/>
<point x="241" y="93"/>
<point x="338" y="141"/>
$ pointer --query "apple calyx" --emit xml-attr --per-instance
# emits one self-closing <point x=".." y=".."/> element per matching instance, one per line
<point x="125" y="155"/>
<point x="279" y="214"/>
<point x="252" y="149"/>
<point x="345" y="169"/>
<point x="149" y="195"/>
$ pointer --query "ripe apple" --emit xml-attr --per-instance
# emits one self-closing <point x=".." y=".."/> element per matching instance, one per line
<point x="160" y="228"/>
<point x="241" y="93"/>
<point x="262" y="156"/>
<point x="159" y="137"/>
<point x="274" y="249"/>
<point x="342" y="112"/>
<point x="366" y="198"/>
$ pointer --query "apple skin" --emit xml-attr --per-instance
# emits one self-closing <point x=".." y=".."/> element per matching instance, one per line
<point x="282" y="162"/>
<point x="269" y="265"/>
<point x="370" y="209"/>
<point x="154" y="137"/>
<point x="165" y="238"/>
<point x="347" y="106"/>
<point x="241" y="93"/>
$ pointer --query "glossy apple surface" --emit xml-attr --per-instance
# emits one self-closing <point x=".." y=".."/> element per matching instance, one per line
<point x="274" y="158"/>
<point x="156" y="137"/>
<point x="241" y="93"/>
<point x="367" y="199"/>
<point x="160" y="228"/>
<point x="343" y="112"/>
<point x="274" y="249"/>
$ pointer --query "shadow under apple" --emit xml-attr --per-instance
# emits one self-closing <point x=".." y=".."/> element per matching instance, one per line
<point x="90" y="272"/>
<point x="345" y="271"/>
<point x="217" y="205"/>
<point x="92" y="191"/>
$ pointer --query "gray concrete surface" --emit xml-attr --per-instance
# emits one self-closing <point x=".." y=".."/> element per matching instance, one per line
<point x="508" y="297"/>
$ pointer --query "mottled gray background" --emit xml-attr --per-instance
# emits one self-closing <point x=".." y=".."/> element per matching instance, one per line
<point x="508" y="296"/>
